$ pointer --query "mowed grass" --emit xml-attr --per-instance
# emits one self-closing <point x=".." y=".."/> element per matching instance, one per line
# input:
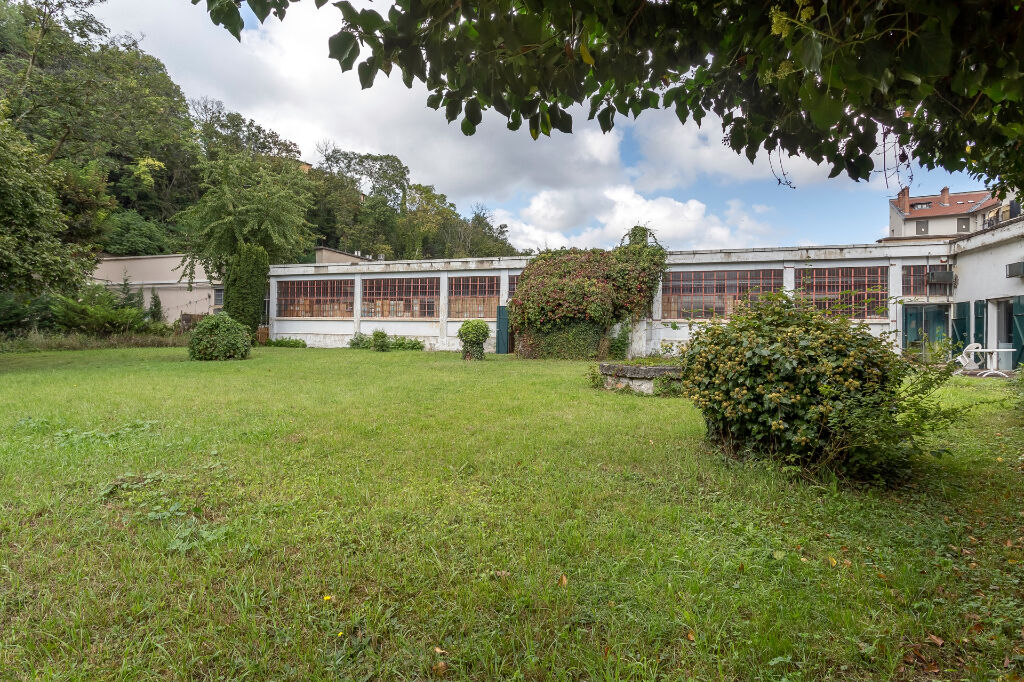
<point x="340" y="514"/>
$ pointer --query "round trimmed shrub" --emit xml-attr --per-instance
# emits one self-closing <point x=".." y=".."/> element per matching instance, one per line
<point x="785" y="380"/>
<point x="380" y="342"/>
<point x="473" y="334"/>
<point x="218" y="337"/>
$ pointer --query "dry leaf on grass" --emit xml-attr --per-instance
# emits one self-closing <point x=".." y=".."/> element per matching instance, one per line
<point x="938" y="641"/>
<point x="563" y="581"/>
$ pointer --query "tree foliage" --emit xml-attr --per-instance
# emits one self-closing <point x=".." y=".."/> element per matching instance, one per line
<point x="245" y="287"/>
<point x="249" y="200"/>
<point x="32" y="255"/>
<point x="96" y="124"/>
<point x="940" y="81"/>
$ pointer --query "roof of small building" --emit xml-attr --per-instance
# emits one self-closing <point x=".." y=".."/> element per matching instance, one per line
<point x="960" y="203"/>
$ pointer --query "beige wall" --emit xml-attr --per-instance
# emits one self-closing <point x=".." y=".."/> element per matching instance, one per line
<point x="160" y="273"/>
<point x="327" y="255"/>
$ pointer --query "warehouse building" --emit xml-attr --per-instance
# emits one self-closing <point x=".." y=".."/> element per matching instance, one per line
<point x="969" y="287"/>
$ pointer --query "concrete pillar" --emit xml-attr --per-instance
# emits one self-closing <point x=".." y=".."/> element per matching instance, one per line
<point x="789" y="278"/>
<point x="272" y="313"/>
<point x="442" y="314"/>
<point x="503" y="288"/>
<point x="357" y="303"/>
<point x="895" y="294"/>
<point x="656" y="308"/>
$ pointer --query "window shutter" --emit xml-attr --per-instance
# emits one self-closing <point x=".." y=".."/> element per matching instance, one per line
<point x="980" y="308"/>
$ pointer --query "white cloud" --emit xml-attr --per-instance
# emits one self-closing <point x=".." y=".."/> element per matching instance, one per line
<point x="677" y="155"/>
<point x="677" y="224"/>
<point x="565" y="189"/>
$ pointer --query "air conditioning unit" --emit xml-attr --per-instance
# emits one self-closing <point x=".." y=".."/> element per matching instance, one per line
<point x="1015" y="269"/>
<point x="940" y="277"/>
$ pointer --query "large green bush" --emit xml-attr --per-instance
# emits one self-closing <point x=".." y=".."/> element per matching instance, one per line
<point x="218" y="337"/>
<point x="571" y="341"/>
<point x="245" y="286"/>
<point x="98" y="311"/>
<point x="785" y="380"/>
<point x="473" y="334"/>
<point x="562" y="292"/>
<point x="379" y="341"/>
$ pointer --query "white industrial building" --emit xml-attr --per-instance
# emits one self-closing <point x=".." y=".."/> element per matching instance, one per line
<point x="969" y="287"/>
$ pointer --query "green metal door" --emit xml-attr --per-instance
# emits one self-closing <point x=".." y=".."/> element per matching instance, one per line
<point x="979" y="322"/>
<point x="1018" y="332"/>
<point x="501" y="340"/>
<point x="913" y="323"/>
<point x="961" y="325"/>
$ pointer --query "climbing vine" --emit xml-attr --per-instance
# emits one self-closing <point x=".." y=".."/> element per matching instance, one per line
<point x="569" y="287"/>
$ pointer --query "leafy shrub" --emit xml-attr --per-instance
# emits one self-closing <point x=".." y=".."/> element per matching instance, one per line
<point x="571" y="341"/>
<point x="559" y="290"/>
<point x="405" y="343"/>
<point x="379" y="341"/>
<point x="34" y="341"/>
<point x="218" y="337"/>
<point x="359" y="340"/>
<point x="245" y="286"/>
<point x="156" y="307"/>
<point x="785" y="380"/>
<point x="366" y="342"/>
<point x="97" y="310"/>
<point x="286" y="343"/>
<point x="618" y="345"/>
<point x="1017" y="387"/>
<point x="473" y="334"/>
<point x="21" y="312"/>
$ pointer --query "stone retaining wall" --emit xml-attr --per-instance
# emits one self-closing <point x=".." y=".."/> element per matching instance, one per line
<point x="649" y="379"/>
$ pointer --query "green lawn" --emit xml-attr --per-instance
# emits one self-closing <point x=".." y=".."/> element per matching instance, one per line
<point x="340" y="514"/>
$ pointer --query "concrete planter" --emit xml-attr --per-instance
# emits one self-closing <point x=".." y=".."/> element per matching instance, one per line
<point x="648" y="380"/>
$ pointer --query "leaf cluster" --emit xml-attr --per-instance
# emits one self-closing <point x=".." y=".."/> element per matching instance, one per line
<point x="784" y="380"/>
<point x="594" y="286"/>
<point x="473" y="334"/>
<point x="218" y="337"/>
<point x="834" y="82"/>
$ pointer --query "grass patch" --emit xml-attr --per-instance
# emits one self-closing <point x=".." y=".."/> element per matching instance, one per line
<point x="33" y="342"/>
<point x="326" y="514"/>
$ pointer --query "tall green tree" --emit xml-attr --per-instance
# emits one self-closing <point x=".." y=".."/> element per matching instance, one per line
<point x="32" y="255"/>
<point x="246" y="285"/>
<point x="835" y="82"/>
<point x="250" y="200"/>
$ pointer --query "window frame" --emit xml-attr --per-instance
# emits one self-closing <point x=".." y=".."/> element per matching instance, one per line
<point x="918" y="224"/>
<point x="335" y="294"/>
<point x="404" y="290"/>
<point x="831" y="294"/>
<point x="714" y="291"/>
<point x="460" y="296"/>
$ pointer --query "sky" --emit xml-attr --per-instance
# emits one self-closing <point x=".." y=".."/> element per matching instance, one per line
<point x="585" y="189"/>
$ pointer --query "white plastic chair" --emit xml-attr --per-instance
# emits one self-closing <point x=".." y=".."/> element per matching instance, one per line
<point x="966" y="358"/>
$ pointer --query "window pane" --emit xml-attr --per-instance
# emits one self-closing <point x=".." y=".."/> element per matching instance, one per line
<point x="473" y="297"/>
<point x="713" y="293"/>
<point x="860" y="293"/>
<point x="316" y="298"/>
<point x="415" y="297"/>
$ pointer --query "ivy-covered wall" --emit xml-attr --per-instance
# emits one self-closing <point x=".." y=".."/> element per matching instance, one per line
<point x="567" y="300"/>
